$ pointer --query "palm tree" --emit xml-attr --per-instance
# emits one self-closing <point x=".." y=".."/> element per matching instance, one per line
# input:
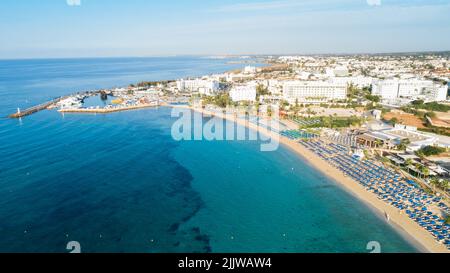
<point x="445" y="184"/>
<point x="403" y="144"/>
<point x="425" y="171"/>
<point x="418" y="169"/>
<point x="269" y="111"/>
<point x="408" y="162"/>
<point x="378" y="143"/>
<point x="435" y="183"/>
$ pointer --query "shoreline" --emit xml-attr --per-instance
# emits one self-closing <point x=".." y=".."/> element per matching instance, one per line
<point x="406" y="227"/>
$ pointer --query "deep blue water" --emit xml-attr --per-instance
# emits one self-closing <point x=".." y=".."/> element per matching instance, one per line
<point x="120" y="183"/>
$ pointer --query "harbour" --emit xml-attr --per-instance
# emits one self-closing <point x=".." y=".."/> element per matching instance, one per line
<point x="124" y="101"/>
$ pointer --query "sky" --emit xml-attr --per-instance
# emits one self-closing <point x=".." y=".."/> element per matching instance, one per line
<point x="110" y="28"/>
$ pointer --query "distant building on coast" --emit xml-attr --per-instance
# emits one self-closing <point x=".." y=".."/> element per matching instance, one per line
<point x="314" y="91"/>
<point x="243" y="93"/>
<point x="204" y="87"/>
<point x="250" y="70"/>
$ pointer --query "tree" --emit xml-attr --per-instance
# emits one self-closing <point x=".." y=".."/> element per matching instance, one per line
<point x="366" y="154"/>
<point x="284" y="104"/>
<point x="430" y="150"/>
<point x="261" y="90"/>
<point x="384" y="159"/>
<point x="372" y="98"/>
<point x="445" y="184"/>
<point x="269" y="111"/>
<point x="434" y="182"/>
<point x="425" y="171"/>
<point x="417" y="102"/>
<point x="378" y="143"/>
<point x="419" y="169"/>
<point x="408" y="162"/>
<point x="403" y="144"/>
<point x="394" y="121"/>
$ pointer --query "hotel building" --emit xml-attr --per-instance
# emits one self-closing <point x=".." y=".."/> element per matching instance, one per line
<point x="411" y="89"/>
<point x="204" y="87"/>
<point x="313" y="91"/>
<point x="243" y="93"/>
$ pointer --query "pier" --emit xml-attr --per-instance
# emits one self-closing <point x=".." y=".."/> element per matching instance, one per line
<point x="35" y="109"/>
<point x="49" y="104"/>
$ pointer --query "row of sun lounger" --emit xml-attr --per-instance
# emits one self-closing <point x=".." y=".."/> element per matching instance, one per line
<point x="297" y="134"/>
<point x="389" y="186"/>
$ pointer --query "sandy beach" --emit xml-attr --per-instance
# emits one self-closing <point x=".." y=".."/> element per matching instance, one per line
<point x="409" y="229"/>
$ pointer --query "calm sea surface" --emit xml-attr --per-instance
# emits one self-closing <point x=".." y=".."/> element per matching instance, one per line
<point x="120" y="183"/>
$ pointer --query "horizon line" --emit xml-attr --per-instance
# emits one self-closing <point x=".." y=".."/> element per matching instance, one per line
<point x="229" y="55"/>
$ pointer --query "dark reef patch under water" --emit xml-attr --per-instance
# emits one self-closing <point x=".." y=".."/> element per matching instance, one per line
<point x="126" y="194"/>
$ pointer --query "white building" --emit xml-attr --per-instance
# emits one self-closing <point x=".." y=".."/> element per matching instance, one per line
<point x="250" y="70"/>
<point x="275" y="87"/>
<point x="411" y="89"/>
<point x="205" y="87"/>
<point x="239" y="77"/>
<point x="313" y="91"/>
<point x="340" y="71"/>
<point x="243" y="93"/>
<point x="358" y="81"/>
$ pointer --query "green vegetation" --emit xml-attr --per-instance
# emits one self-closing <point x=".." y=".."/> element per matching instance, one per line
<point x="416" y="108"/>
<point x="366" y="154"/>
<point x="447" y="220"/>
<point x="431" y="106"/>
<point x="334" y="122"/>
<point x="430" y="150"/>
<point x="443" y="184"/>
<point x="153" y="83"/>
<point x="384" y="159"/>
<point x="283" y="105"/>
<point x="403" y="144"/>
<point x="269" y="111"/>
<point x="436" y="130"/>
<point x="372" y="98"/>
<point x="393" y="121"/>
<point x="430" y="114"/>
<point x="261" y="91"/>
<point x="221" y="100"/>
<point x="353" y="92"/>
<point x="408" y="162"/>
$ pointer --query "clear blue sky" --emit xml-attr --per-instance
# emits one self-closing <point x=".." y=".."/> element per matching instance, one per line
<point x="55" y="28"/>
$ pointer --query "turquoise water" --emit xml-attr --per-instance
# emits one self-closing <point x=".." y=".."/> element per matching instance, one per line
<point x="120" y="183"/>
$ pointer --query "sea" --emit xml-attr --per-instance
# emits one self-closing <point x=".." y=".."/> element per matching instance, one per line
<point x="120" y="183"/>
